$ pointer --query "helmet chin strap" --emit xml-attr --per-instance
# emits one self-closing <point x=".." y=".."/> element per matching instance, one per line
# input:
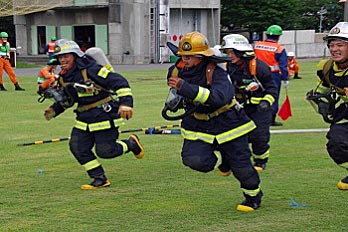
<point x="343" y="64"/>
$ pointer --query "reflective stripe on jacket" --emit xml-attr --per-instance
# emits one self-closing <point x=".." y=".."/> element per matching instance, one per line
<point x="222" y="137"/>
<point x="103" y="125"/>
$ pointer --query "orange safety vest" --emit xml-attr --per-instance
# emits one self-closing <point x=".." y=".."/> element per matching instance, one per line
<point x="266" y="50"/>
<point x="51" y="46"/>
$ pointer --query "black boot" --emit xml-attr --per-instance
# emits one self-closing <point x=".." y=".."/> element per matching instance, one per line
<point x="98" y="182"/>
<point x="2" y="88"/>
<point x="296" y="76"/>
<point x="135" y="146"/>
<point x="250" y="203"/>
<point x="18" y="88"/>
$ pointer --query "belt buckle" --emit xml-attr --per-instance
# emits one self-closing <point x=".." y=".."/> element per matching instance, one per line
<point x="106" y="107"/>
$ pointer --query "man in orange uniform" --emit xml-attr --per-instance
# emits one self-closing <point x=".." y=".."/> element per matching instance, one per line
<point x="274" y="55"/>
<point x="50" y="48"/>
<point x="5" y="62"/>
<point x="47" y="75"/>
<point x="293" y="66"/>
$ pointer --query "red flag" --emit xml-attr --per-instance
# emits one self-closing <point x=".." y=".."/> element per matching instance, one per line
<point x="285" y="110"/>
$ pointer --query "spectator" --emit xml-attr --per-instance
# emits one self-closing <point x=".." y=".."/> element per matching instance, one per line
<point x="293" y="66"/>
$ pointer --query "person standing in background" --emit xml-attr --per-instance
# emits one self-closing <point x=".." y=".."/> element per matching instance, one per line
<point x="274" y="55"/>
<point x="5" y="63"/>
<point x="50" y="48"/>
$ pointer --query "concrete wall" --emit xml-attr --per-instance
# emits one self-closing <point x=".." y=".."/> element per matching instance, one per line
<point x="129" y="39"/>
<point x="304" y="43"/>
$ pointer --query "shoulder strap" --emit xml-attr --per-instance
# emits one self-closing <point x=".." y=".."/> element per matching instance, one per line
<point x="208" y="72"/>
<point x="175" y="72"/>
<point x="326" y="70"/>
<point x="84" y="74"/>
<point x="252" y="67"/>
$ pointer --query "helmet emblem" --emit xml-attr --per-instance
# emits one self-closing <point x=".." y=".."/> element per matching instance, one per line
<point x="186" y="46"/>
<point x="57" y="49"/>
<point x="336" y="30"/>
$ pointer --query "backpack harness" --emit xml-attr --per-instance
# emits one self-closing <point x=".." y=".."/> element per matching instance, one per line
<point x="94" y="104"/>
<point x="209" y="77"/>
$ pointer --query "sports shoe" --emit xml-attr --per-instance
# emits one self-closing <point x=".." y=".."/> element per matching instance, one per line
<point x="343" y="184"/>
<point x="250" y="203"/>
<point x="96" y="183"/>
<point x="135" y="146"/>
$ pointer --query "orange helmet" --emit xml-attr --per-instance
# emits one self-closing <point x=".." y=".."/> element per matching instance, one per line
<point x="194" y="43"/>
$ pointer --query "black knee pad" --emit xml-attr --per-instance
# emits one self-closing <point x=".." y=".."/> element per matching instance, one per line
<point x="196" y="163"/>
<point x="338" y="149"/>
<point x="105" y="150"/>
<point x="247" y="176"/>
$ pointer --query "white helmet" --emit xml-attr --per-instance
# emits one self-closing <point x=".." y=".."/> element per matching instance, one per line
<point x="237" y="42"/>
<point x="64" y="46"/>
<point x="339" y="31"/>
<point x="291" y="54"/>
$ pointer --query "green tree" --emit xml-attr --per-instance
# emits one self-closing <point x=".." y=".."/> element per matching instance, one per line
<point x="257" y="15"/>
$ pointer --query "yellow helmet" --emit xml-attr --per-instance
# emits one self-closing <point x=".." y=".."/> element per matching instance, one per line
<point x="194" y="43"/>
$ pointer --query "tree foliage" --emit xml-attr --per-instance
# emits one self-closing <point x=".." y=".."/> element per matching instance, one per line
<point x="257" y="15"/>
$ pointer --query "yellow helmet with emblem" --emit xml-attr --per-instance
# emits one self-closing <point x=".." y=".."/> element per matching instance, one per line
<point x="194" y="43"/>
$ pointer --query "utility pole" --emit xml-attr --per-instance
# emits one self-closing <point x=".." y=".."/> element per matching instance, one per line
<point x="345" y="14"/>
<point x="321" y="13"/>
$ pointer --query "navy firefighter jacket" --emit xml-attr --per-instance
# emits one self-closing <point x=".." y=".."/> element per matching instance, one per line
<point x="241" y="77"/>
<point x="221" y="92"/>
<point x="103" y="78"/>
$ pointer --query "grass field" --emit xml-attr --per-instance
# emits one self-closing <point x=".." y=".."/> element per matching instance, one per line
<point x="158" y="193"/>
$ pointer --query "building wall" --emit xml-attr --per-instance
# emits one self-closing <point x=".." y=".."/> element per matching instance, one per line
<point x="122" y="27"/>
<point x="304" y="43"/>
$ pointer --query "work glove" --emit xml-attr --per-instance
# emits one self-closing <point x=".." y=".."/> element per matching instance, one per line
<point x="49" y="114"/>
<point x="323" y="108"/>
<point x="175" y="82"/>
<point x="125" y="112"/>
<point x="263" y="106"/>
<point x="286" y="84"/>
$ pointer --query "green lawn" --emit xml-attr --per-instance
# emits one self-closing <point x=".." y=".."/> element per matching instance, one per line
<point x="158" y="193"/>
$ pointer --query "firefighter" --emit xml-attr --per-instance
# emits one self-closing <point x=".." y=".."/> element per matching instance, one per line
<point x="255" y="90"/>
<point x="330" y="96"/>
<point x="293" y="66"/>
<point x="217" y="123"/>
<point x="50" y="48"/>
<point x="98" y="114"/>
<point x="274" y="55"/>
<point x="5" y="64"/>
<point x="47" y="75"/>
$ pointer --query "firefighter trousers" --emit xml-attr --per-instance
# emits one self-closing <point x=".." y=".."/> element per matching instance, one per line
<point x="337" y="145"/>
<point x="200" y="156"/>
<point x="82" y="142"/>
<point x="259" y="138"/>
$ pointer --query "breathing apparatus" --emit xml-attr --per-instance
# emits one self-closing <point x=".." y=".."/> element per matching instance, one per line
<point x="174" y="103"/>
<point x="64" y="96"/>
<point x="323" y="104"/>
